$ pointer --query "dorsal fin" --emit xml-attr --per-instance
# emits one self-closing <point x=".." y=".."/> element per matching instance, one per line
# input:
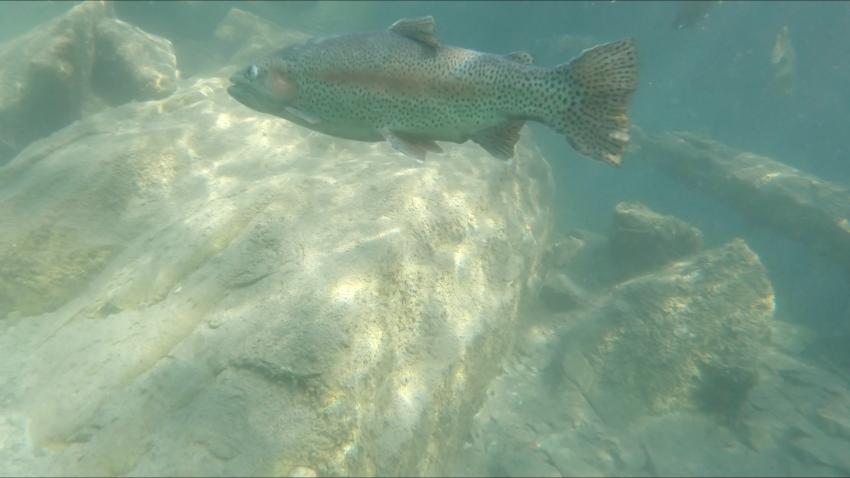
<point x="523" y="57"/>
<point x="420" y="29"/>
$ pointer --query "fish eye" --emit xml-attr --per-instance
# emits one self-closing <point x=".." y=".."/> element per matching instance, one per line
<point x="252" y="72"/>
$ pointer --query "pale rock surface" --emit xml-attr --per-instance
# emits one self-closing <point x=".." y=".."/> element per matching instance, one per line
<point x="193" y="288"/>
<point x="75" y="65"/>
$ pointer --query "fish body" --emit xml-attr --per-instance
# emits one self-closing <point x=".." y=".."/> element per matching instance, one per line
<point x="404" y="87"/>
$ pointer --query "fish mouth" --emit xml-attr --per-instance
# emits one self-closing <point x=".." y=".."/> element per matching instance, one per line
<point x="246" y="93"/>
<point x="254" y="96"/>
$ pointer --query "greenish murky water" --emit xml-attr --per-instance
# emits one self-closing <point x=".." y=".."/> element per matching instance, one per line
<point x="768" y="78"/>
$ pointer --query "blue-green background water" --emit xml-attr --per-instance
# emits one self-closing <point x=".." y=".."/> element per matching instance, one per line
<point x="713" y="77"/>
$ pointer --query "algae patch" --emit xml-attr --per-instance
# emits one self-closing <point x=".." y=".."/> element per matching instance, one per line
<point x="46" y="268"/>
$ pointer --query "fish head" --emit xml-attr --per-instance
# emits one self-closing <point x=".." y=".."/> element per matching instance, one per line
<point x="268" y="86"/>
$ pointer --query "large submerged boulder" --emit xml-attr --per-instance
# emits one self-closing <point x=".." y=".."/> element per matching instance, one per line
<point x="686" y="337"/>
<point x="668" y="372"/>
<point x="191" y="287"/>
<point x="75" y="65"/>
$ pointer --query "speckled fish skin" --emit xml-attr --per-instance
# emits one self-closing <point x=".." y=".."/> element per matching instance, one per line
<point x="402" y="86"/>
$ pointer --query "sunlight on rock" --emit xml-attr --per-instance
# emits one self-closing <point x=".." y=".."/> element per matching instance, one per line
<point x="187" y="263"/>
<point x="465" y="326"/>
<point x="416" y="206"/>
<point x="539" y="334"/>
<point x="768" y="177"/>
<point x="222" y="121"/>
<point x="411" y="396"/>
<point x="375" y="237"/>
<point x="460" y="258"/>
<point x="675" y="305"/>
<point x="459" y="379"/>
<point x="347" y="289"/>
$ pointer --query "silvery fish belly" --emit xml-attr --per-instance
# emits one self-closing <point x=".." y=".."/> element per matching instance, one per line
<point x="404" y="87"/>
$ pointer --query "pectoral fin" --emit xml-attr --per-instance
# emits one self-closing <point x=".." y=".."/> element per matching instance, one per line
<point x="500" y="139"/>
<point x="304" y="116"/>
<point x="420" y="29"/>
<point x="416" y="148"/>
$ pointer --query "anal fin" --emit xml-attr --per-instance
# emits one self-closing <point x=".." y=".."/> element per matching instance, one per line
<point x="501" y="139"/>
<point x="420" y="29"/>
<point x="416" y="148"/>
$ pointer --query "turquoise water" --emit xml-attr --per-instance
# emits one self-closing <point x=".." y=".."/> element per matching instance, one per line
<point x="713" y="76"/>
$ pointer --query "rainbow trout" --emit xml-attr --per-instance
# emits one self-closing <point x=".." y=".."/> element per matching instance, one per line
<point x="404" y="87"/>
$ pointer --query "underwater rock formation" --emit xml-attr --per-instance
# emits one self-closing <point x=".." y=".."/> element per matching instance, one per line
<point x="131" y="65"/>
<point x="560" y="292"/>
<point x="192" y="288"/>
<point x="75" y="65"/>
<point x="685" y="337"/>
<point x="722" y="401"/>
<point x="243" y="37"/>
<point x="799" y="205"/>
<point x="586" y="257"/>
<point x="642" y="239"/>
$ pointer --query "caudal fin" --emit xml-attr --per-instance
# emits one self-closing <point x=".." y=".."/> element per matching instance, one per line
<point x="600" y="84"/>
